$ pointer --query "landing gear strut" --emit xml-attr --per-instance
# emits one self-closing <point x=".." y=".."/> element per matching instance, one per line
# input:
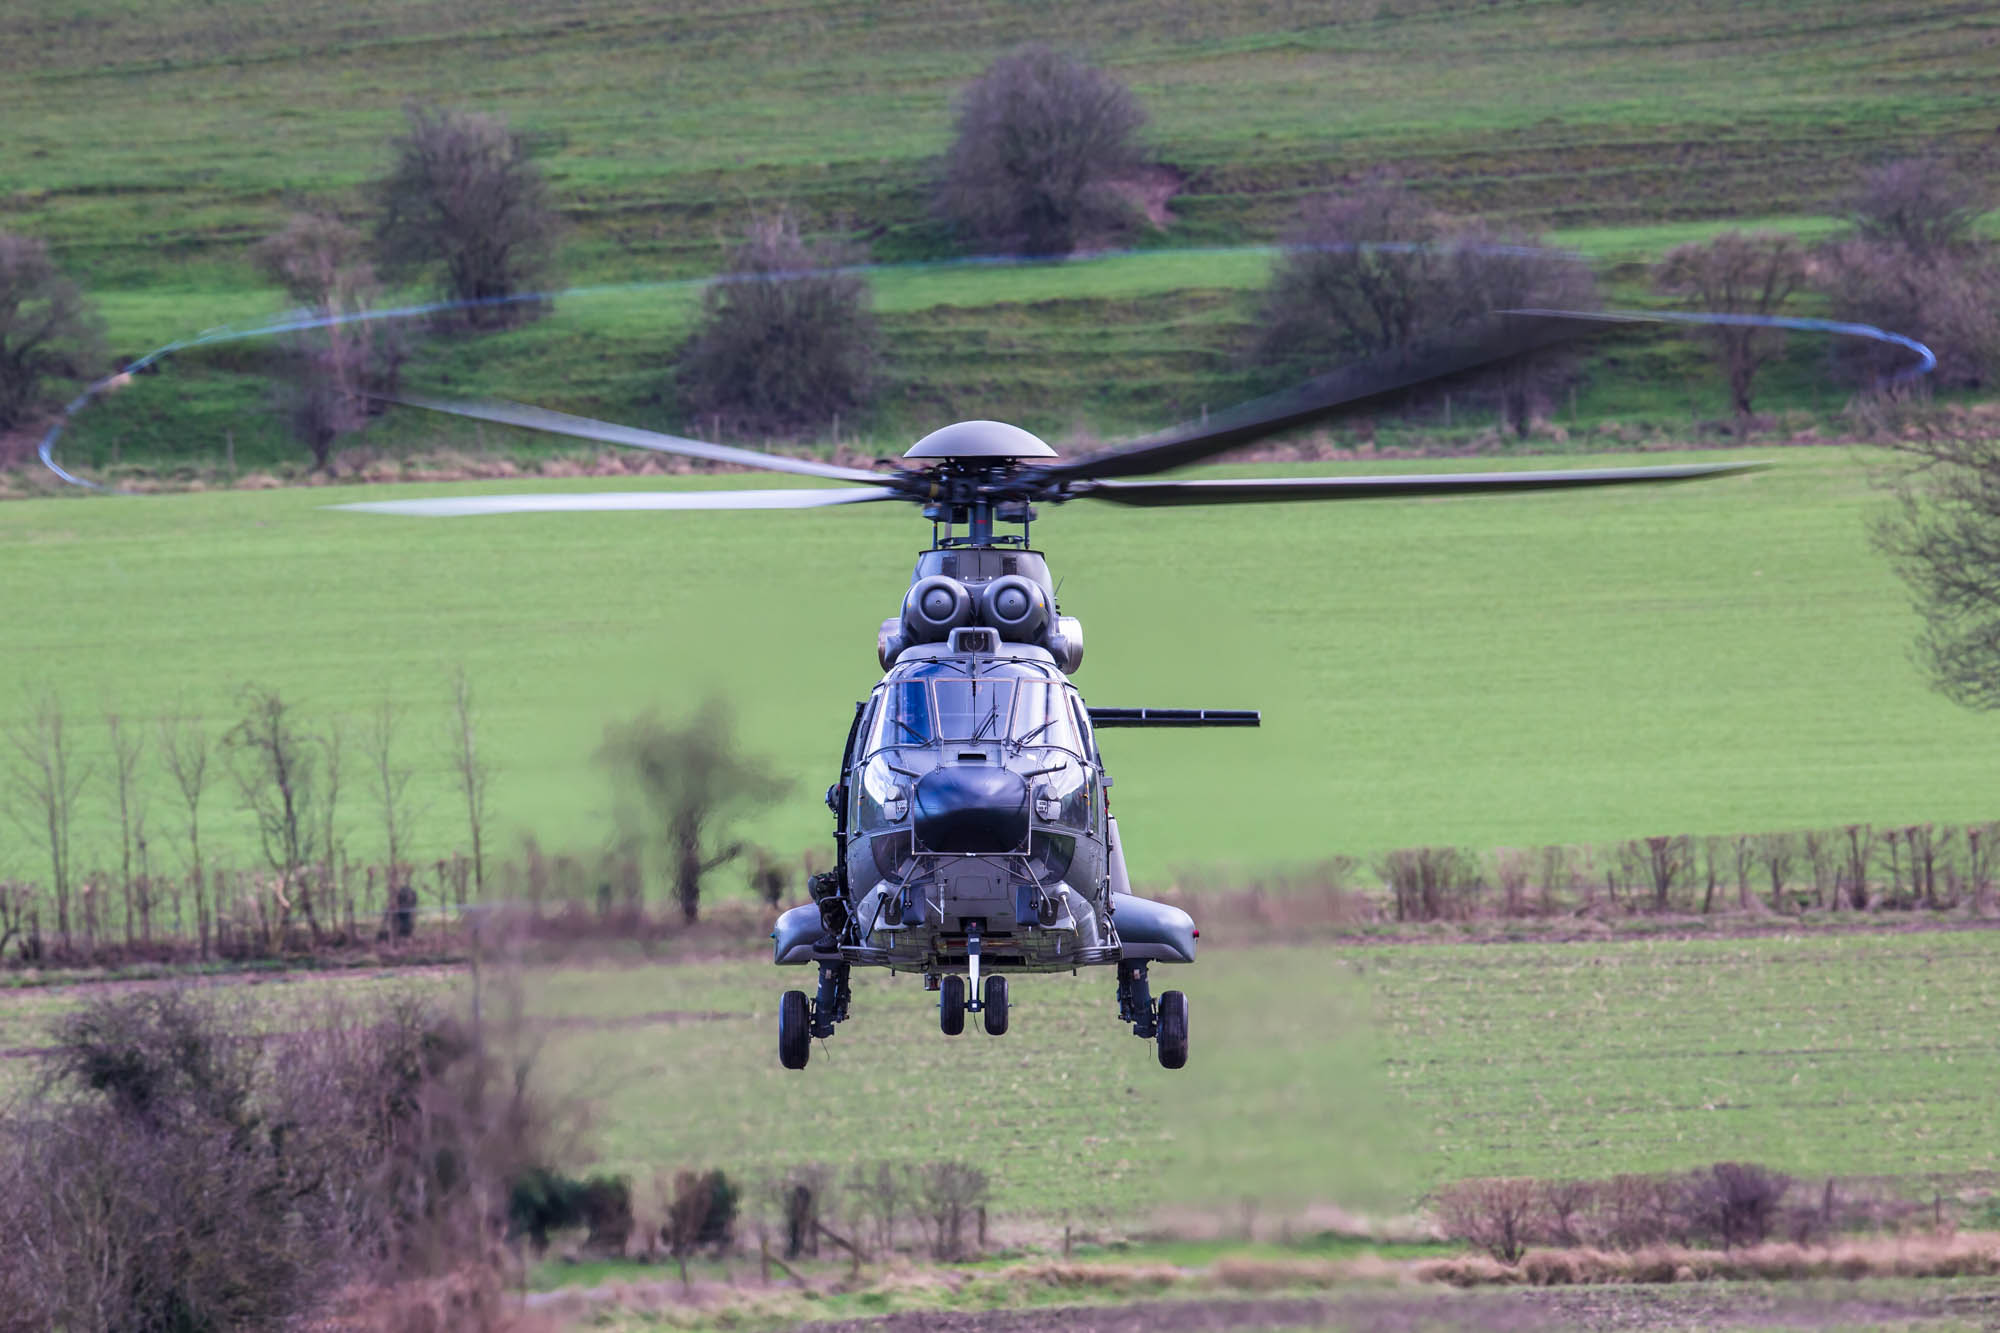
<point x="1167" y="1021"/>
<point x="800" y="1020"/>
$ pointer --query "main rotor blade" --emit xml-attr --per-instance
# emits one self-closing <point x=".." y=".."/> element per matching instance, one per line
<point x="1254" y="490"/>
<point x="461" y="506"/>
<point x="1487" y="341"/>
<point x="587" y="428"/>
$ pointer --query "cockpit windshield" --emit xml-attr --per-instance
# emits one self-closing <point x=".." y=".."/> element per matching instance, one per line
<point x="1027" y="711"/>
<point x="973" y="710"/>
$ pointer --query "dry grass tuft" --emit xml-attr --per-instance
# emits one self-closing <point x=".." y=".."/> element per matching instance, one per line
<point x="1964" y="1254"/>
<point x="1115" y="1278"/>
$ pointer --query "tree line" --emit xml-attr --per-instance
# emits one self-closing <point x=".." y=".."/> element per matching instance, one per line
<point x="1043" y="161"/>
<point x="311" y="790"/>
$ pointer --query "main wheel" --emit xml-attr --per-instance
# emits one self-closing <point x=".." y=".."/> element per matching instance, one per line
<point x="951" y="1005"/>
<point x="1173" y="1029"/>
<point x="996" y="1006"/>
<point x="794" y="1030"/>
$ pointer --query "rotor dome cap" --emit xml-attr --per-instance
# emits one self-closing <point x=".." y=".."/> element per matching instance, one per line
<point x="979" y="439"/>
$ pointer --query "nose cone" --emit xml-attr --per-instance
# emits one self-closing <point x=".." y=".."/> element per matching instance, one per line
<point x="971" y="808"/>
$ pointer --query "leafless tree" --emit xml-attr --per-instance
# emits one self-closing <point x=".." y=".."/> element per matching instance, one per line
<point x="392" y="790"/>
<point x="185" y="747"/>
<point x="683" y="787"/>
<point x="951" y="1193"/>
<point x="1920" y="204"/>
<point x="1741" y="274"/>
<point x="1943" y="537"/>
<point x="322" y="264"/>
<point x="47" y="329"/>
<point x="275" y="764"/>
<point x="882" y="1191"/>
<point x="471" y="772"/>
<point x="1041" y="141"/>
<point x="45" y="780"/>
<point x="1497" y="1214"/>
<point x="1363" y="271"/>
<point x="786" y="342"/>
<point x="1776" y="852"/>
<point x="127" y="745"/>
<point x="464" y="203"/>
<point x="1491" y="269"/>
<point x="1666" y="859"/>
<point x="333" y="847"/>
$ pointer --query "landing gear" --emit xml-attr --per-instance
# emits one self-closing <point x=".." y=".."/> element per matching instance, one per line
<point x="996" y="1006"/>
<point x="1167" y="1021"/>
<point x="1173" y="1029"/>
<point x="800" y="1020"/>
<point x="951" y="1004"/>
<point x="794" y="1030"/>
<point x="831" y="1005"/>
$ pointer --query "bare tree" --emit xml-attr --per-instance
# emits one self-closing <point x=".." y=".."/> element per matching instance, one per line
<point x="683" y="788"/>
<point x="1363" y="272"/>
<point x="1923" y="205"/>
<point x="322" y="264"/>
<point x="127" y="745"/>
<point x="471" y="771"/>
<point x="1491" y="270"/>
<point x="392" y="792"/>
<point x="47" y="330"/>
<point x="274" y="762"/>
<point x="786" y="342"/>
<point x="185" y="748"/>
<point x="1041" y="140"/>
<point x="1737" y="274"/>
<point x="46" y="778"/>
<point x="1943" y="537"/>
<point x="463" y="202"/>
<point x="951" y="1193"/>
<point x="1915" y="265"/>
<point x="332" y="748"/>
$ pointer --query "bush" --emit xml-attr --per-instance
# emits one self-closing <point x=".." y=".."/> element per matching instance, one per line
<point x="182" y="1170"/>
<point x="1362" y="272"/>
<point x="1921" y="205"/>
<point x="463" y="204"/>
<point x="786" y="342"/>
<point x="1041" y="141"/>
<point x="46" y="328"/>
<point x="1498" y="1215"/>
<point x="1432" y="883"/>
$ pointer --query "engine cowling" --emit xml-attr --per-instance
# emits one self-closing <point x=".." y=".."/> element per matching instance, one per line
<point x="1015" y="606"/>
<point x="934" y="607"/>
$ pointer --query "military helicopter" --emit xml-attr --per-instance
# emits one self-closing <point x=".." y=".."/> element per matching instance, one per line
<point x="972" y="829"/>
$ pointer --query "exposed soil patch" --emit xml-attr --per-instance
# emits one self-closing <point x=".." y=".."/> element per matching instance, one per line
<point x="1646" y="1307"/>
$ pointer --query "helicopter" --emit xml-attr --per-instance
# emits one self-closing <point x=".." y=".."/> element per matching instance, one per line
<point x="973" y="835"/>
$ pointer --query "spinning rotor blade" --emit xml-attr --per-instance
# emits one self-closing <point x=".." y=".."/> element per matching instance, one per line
<point x="1252" y="490"/>
<point x="1484" y="342"/>
<point x="587" y="428"/>
<point x="461" y="506"/>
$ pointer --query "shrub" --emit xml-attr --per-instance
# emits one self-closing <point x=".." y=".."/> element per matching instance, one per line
<point x="1498" y="1215"/>
<point x="1921" y="205"/>
<point x="1432" y="883"/>
<point x="786" y="342"/>
<point x="463" y="204"/>
<point x="183" y="1170"/>
<point x="1734" y="1202"/>
<point x="47" y="330"/>
<point x="1362" y="272"/>
<point x="1041" y="139"/>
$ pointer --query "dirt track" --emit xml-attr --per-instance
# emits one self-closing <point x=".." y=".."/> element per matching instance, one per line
<point x="1680" y="1306"/>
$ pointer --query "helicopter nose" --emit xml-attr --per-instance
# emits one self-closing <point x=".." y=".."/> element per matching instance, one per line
<point x="971" y="808"/>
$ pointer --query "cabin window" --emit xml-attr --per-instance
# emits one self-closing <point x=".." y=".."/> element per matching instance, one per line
<point x="903" y="717"/>
<point x="1042" y="717"/>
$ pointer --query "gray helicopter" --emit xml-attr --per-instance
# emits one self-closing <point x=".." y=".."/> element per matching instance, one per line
<point x="972" y="827"/>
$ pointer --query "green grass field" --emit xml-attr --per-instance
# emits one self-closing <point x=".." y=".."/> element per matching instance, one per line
<point x="1730" y="656"/>
<point x="1360" y="1076"/>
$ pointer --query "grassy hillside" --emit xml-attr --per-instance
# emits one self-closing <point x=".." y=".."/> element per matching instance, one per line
<point x="152" y="145"/>
<point x="1585" y="667"/>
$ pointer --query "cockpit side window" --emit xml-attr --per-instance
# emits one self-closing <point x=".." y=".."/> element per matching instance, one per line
<point x="1042" y="717"/>
<point x="903" y="716"/>
<point x="1082" y="715"/>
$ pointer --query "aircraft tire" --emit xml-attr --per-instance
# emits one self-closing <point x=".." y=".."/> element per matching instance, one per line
<point x="794" y="1030"/>
<point x="951" y="1004"/>
<point x="996" y="1006"/>
<point x="1173" y="1029"/>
